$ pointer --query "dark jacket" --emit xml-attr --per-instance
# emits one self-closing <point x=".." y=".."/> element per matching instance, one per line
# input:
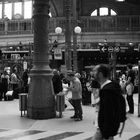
<point x="108" y="118"/>
<point x="25" y="78"/>
<point x="57" y="84"/>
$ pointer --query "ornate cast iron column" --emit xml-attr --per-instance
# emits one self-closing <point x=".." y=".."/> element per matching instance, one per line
<point x="67" y="6"/>
<point x="41" y="103"/>
<point x="75" y="67"/>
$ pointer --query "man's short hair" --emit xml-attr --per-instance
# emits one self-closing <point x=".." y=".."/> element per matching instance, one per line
<point x="77" y="75"/>
<point x="71" y="73"/>
<point x="105" y="70"/>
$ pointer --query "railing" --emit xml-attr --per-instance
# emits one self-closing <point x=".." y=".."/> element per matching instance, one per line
<point x="88" y="24"/>
<point x="9" y="27"/>
<point x="110" y="23"/>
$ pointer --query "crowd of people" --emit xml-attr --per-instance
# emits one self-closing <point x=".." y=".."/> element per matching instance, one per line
<point x="100" y="91"/>
<point x="96" y="89"/>
<point x="13" y="82"/>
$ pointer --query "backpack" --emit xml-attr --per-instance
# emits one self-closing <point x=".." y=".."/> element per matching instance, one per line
<point x="122" y="113"/>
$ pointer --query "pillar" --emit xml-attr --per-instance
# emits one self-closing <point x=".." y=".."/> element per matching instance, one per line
<point x="22" y="12"/>
<point x="75" y="68"/>
<point x="67" y="4"/>
<point x="3" y="9"/>
<point x="74" y="36"/>
<point x="13" y="9"/>
<point x="41" y="102"/>
<point x="138" y="88"/>
<point x="113" y="63"/>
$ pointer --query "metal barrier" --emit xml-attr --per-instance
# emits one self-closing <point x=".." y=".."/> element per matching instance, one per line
<point x="88" y="24"/>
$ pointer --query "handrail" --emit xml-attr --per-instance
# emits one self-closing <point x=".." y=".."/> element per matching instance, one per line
<point x="88" y="24"/>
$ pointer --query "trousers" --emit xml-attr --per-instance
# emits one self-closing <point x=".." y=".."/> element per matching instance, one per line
<point x="77" y="108"/>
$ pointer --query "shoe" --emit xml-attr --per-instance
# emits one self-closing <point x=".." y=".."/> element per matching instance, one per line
<point x="78" y="119"/>
<point x="73" y="117"/>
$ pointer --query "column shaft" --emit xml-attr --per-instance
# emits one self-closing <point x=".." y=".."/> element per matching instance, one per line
<point x="68" y="34"/>
<point x="41" y="103"/>
<point x="75" y="68"/>
<point x="22" y="13"/>
<point x="138" y="88"/>
<point x="13" y="9"/>
<point x="3" y="9"/>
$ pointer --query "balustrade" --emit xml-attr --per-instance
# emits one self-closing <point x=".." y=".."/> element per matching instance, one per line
<point x="88" y="24"/>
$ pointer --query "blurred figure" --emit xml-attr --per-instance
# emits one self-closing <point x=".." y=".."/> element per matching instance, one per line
<point x="14" y="83"/>
<point x="65" y="92"/>
<point x="109" y="106"/>
<point x="95" y="86"/>
<point x="25" y="77"/>
<point x="130" y="88"/>
<point x="76" y="89"/>
<point x="25" y="81"/>
<point x="5" y="84"/>
<point x="83" y="80"/>
<point x="57" y="83"/>
<point x="77" y="75"/>
<point x="122" y="83"/>
<point x="95" y="100"/>
<point x="0" y="88"/>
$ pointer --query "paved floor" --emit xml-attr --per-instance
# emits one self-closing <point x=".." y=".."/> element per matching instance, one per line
<point x="14" y="127"/>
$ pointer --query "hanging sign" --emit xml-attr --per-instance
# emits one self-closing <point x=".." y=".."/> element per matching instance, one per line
<point x="57" y="54"/>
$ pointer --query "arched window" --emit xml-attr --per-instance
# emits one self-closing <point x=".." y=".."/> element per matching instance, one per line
<point x="103" y="11"/>
<point x="8" y="10"/>
<point x="28" y="10"/>
<point x="113" y="13"/>
<point x="17" y="8"/>
<point x="94" y="13"/>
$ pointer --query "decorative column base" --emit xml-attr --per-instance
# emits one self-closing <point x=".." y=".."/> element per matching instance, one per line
<point x="41" y="101"/>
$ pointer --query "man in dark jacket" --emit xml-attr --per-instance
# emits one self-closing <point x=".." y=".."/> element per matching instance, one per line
<point x="57" y="83"/>
<point x="108" y="122"/>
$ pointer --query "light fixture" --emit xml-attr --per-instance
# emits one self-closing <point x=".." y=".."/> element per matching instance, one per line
<point x="58" y="30"/>
<point x="77" y="29"/>
<point x="120" y="0"/>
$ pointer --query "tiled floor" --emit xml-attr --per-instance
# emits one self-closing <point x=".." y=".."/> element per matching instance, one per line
<point x="14" y="127"/>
